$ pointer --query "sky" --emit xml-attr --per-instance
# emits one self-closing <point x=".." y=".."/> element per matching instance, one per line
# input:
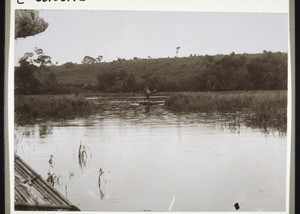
<point x="71" y="35"/>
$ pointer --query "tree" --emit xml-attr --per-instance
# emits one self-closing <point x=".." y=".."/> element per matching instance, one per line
<point x="24" y="74"/>
<point x="107" y="80"/>
<point x="25" y="81"/>
<point x="99" y="58"/>
<point x="69" y="65"/>
<point x="122" y="75"/>
<point x="268" y="72"/>
<point x="42" y="60"/>
<point x="50" y="85"/>
<point x="151" y="80"/>
<point x="207" y="80"/>
<point x="28" y="23"/>
<point x="131" y="83"/>
<point x="28" y="57"/>
<point x="87" y="60"/>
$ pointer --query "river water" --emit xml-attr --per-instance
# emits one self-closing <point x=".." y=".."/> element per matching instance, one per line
<point x="156" y="160"/>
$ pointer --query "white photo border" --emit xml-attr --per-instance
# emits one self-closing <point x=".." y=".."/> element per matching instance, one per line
<point x="252" y="6"/>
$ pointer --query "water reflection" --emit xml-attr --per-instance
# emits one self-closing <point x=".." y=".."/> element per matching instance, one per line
<point x="82" y="155"/>
<point x="51" y="161"/>
<point x="153" y="155"/>
<point x="45" y="130"/>
<point x="83" y="152"/>
<point x="99" y="183"/>
<point x="230" y="120"/>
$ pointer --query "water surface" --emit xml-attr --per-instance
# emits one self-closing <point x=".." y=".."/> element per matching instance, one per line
<point x="157" y="160"/>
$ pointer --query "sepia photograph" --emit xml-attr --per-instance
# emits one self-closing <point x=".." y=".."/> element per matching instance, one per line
<point x="130" y="111"/>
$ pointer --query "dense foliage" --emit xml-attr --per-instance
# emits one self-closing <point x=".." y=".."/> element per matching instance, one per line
<point x="265" y="71"/>
<point x="30" y="108"/>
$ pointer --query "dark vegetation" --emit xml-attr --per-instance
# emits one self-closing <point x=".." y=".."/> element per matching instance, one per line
<point x="266" y="110"/>
<point x="265" y="71"/>
<point x="261" y="109"/>
<point x="31" y="108"/>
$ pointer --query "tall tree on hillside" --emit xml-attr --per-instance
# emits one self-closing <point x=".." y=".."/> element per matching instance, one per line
<point x="28" y="57"/>
<point x="25" y="77"/>
<point x="99" y="58"/>
<point x="88" y="60"/>
<point x="25" y="81"/>
<point x="42" y="60"/>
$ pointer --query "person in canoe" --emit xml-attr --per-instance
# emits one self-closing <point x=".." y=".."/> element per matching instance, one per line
<point x="147" y="92"/>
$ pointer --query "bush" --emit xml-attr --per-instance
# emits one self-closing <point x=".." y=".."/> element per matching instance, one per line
<point x="29" y="108"/>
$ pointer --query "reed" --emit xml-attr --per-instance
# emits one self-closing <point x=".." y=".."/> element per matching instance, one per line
<point x="30" y="108"/>
<point x="262" y="108"/>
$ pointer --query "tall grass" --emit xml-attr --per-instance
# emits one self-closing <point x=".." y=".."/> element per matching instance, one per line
<point x="30" y="108"/>
<point x="262" y="108"/>
<point x="210" y="101"/>
<point x="269" y="110"/>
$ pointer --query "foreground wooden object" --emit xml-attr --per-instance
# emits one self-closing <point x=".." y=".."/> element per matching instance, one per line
<point x="32" y="192"/>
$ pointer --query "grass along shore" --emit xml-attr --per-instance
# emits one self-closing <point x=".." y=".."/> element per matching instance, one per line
<point x="33" y="107"/>
<point x="262" y="109"/>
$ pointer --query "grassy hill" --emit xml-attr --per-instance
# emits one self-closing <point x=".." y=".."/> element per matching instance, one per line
<point x="169" y="67"/>
<point x="195" y="73"/>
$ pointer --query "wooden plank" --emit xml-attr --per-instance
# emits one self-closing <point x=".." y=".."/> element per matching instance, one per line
<point x="32" y="192"/>
<point x="55" y="195"/>
<point x="24" y="206"/>
<point x="42" y="189"/>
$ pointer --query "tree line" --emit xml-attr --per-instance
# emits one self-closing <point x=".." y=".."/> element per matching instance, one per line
<point x="30" y="75"/>
<point x="264" y="71"/>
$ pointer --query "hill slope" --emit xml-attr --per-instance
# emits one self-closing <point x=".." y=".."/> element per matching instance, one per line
<point x="264" y="71"/>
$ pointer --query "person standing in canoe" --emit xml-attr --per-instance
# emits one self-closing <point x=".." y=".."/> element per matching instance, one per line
<point x="147" y="92"/>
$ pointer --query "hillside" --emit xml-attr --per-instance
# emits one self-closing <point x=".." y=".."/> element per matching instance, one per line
<point x="264" y="71"/>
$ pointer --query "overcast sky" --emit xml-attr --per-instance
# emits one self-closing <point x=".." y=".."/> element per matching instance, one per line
<point x="71" y="35"/>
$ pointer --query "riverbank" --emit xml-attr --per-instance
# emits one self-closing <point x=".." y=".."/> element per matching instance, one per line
<point x="34" y="107"/>
<point x="262" y="108"/>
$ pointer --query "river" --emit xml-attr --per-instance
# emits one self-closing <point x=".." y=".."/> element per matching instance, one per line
<point x="156" y="160"/>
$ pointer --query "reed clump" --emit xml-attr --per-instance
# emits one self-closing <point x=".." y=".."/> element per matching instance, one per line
<point x="30" y="108"/>
<point x="207" y="102"/>
<point x="269" y="110"/>
<point x="261" y="108"/>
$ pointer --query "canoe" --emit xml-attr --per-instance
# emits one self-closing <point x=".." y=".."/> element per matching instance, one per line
<point x="152" y="102"/>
